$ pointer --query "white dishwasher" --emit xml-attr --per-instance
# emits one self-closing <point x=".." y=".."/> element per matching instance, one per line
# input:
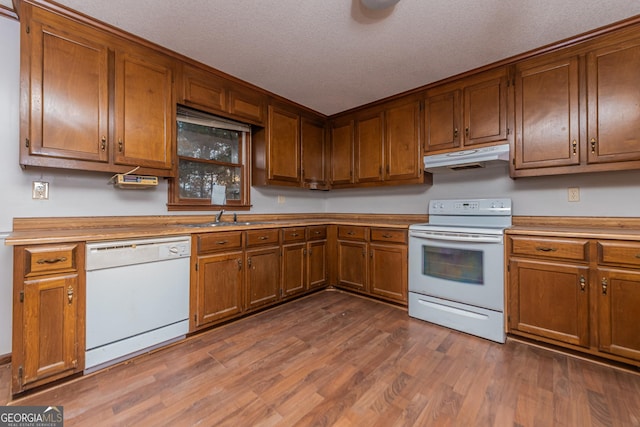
<point x="137" y="297"/>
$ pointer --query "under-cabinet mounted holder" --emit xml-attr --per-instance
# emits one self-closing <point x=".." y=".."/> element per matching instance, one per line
<point x="129" y="181"/>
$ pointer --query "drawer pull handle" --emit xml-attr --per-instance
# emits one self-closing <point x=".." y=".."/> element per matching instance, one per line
<point x="593" y="146"/>
<point x="545" y="249"/>
<point x="263" y="237"/>
<point x="605" y="285"/>
<point x="350" y="233"/>
<point x="52" y="260"/>
<point x="103" y="143"/>
<point x="70" y="294"/>
<point x="222" y="242"/>
<point x="583" y="283"/>
<point x="294" y="234"/>
<point x="387" y="236"/>
<point x="239" y="264"/>
<point x="637" y="255"/>
<point x="317" y="232"/>
<point x="574" y="146"/>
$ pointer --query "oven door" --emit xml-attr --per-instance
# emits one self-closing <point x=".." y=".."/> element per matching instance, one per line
<point x="462" y="268"/>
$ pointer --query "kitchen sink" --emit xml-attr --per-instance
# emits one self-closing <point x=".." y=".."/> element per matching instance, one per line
<point x="224" y="224"/>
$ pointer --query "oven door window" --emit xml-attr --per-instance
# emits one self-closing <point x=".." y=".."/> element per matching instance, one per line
<point x="458" y="265"/>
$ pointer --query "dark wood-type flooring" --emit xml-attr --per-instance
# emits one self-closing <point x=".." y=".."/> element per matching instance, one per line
<point x="338" y="359"/>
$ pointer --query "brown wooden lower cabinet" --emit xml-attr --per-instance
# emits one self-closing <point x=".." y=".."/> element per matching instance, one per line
<point x="48" y="314"/>
<point x="235" y="272"/>
<point x="373" y="261"/>
<point x="582" y="294"/>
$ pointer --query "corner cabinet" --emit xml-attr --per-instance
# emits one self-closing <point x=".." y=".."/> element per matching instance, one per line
<point x="70" y="69"/>
<point x="48" y="314"/>
<point x="577" y="293"/>
<point x="577" y="108"/>
<point x="379" y="146"/>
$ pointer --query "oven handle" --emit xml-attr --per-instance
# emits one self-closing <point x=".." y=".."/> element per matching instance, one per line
<point x="457" y="237"/>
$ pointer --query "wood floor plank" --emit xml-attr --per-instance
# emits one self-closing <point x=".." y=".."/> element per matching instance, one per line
<point x="335" y="359"/>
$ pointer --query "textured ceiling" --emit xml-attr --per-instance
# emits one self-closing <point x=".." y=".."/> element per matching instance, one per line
<point x="332" y="55"/>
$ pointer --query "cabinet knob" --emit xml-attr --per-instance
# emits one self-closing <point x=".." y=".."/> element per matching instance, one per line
<point x="455" y="132"/>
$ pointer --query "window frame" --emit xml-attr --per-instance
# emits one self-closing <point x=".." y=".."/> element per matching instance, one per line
<point x="177" y="203"/>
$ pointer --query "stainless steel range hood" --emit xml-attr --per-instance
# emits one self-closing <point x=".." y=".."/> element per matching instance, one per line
<point x="467" y="159"/>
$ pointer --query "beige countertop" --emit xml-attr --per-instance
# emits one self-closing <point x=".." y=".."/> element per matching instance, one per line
<point x="90" y="229"/>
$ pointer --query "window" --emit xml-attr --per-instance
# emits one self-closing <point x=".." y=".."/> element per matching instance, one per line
<point x="212" y="163"/>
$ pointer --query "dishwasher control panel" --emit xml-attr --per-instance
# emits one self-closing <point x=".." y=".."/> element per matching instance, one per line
<point x="137" y="251"/>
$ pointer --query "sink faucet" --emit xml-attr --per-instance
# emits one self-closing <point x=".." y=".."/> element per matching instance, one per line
<point x="219" y="215"/>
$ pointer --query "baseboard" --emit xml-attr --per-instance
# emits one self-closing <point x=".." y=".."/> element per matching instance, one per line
<point x="5" y="359"/>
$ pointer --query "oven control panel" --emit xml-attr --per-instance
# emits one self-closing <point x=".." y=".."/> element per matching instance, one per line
<point x="487" y="207"/>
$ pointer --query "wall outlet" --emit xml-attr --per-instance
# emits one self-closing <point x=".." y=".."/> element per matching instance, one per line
<point x="574" y="194"/>
<point x="40" y="190"/>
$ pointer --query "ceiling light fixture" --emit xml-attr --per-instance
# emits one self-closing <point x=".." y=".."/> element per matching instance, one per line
<point x="379" y="4"/>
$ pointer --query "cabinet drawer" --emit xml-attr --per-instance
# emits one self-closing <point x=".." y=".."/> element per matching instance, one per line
<point x="352" y="233"/>
<point x="50" y="259"/>
<point x="388" y="235"/>
<point x="213" y="242"/>
<point x="262" y="237"/>
<point x="619" y="253"/>
<point x="573" y="249"/>
<point x="318" y="232"/>
<point x="294" y="234"/>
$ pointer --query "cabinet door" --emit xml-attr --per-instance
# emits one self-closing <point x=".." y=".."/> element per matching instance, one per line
<point x="342" y="153"/>
<point x="284" y="146"/>
<point x="68" y="92"/>
<point x="613" y="85"/>
<point x="368" y="149"/>
<point x="547" y="116"/>
<point x="485" y="112"/>
<point x="247" y="105"/>
<point x="352" y="264"/>
<point x="263" y="276"/>
<point x="442" y="121"/>
<point x="317" y="263"/>
<point x="50" y="327"/>
<point x="218" y="287"/>
<point x="388" y="271"/>
<point x="313" y="152"/>
<point x="618" y="315"/>
<point x="293" y="269"/>
<point x="550" y="300"/>
<point x="403" y="150"/>
<point x="202" y="89"/>
<point x="144" y="109"/>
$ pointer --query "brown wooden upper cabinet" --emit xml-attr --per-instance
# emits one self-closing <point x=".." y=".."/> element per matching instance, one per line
<point x="467" y="112"/>
<point x="342" y="157"/>
<point x="314" y="153"/>
<point x="278" y="149"/>
<point x="73" y="75"/>
<point x="578" y="109"/>
<point x="378" y="146"/>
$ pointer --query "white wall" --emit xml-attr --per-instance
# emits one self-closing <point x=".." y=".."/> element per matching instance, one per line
<point x="74" y="193"/>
